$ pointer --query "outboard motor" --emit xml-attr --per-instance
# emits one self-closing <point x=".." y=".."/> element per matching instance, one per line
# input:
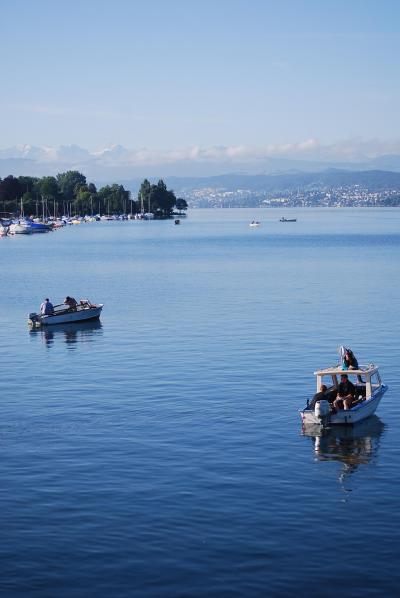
<point x="34" y="320"/>
<point x="322" y="412"/>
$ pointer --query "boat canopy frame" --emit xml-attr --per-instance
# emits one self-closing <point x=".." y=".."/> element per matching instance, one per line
<point x="366" y="373"/>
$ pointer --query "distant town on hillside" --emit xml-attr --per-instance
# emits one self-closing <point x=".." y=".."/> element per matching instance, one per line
<point x="322" y="189"/>
<point x="271" y="182"/>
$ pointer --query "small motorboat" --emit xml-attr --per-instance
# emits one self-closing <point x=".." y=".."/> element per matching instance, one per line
<point x="283" y="219"/>
<point x="177" y="221"/>
<point x="63" y="314"/>
<point x="254" y="223"/>
<point x="369" y="390"/>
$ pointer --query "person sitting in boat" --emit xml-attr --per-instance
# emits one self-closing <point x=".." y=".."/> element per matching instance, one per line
<point x="46" y="308"/>
<point x="349" y="360"/>
<point x="71" y="302"/>
<point x="346" y="394"/>
<point x="319" y="396"/>
<point x="85" y="303"/>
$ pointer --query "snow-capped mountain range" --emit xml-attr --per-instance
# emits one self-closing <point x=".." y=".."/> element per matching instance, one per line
<point x="115" y="162"/>
<point x="73" y="153"/>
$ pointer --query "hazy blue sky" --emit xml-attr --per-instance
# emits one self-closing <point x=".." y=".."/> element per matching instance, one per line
<point x="173" y="74"/>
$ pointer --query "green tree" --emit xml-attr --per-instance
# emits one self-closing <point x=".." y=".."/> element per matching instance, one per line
<point x="82" y="200"/>
<point x="11" y="192"/>
<point x="48" y="187"/>
<point x="10" y="189"/>
<point x="144" y="195"/>
<point x="70" y="182"/>
<point x="114" y="199"/>
<point x="28" y="203"/>
<point x="181" y="204"/>
<point x="162" y="200"/>
<point x="93" y="197"/>
<point x="28" y="183"/>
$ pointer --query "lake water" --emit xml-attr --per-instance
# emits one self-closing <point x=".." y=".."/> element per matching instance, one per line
<point x="160" y="452"/>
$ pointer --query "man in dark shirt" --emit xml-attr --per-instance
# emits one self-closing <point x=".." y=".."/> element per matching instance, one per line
<point x="346" y="393"/>
<point x="319" y="396"/>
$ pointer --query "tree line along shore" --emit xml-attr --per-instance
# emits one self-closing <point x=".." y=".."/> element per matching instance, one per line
<point x="69" y="193"/>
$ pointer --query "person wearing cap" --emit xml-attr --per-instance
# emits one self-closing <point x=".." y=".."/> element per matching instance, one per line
<point x="346" y="393"/>
<point x="46" y="308"/>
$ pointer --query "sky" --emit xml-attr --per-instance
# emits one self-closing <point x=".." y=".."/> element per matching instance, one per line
<point x="249" y="76"/>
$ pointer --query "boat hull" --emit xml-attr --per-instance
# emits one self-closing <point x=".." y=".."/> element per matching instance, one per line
<point x="20" y="229"/>
<point x="69" y="317"/>
<point x="350" y="417"/>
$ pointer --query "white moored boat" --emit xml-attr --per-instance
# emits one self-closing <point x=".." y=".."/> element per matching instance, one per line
<point x="65" y="315"/>
<point x="368" y="388"/>
<point x="20" y="228"/>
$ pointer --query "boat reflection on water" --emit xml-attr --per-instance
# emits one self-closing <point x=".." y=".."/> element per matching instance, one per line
<point x="71" y="334"/>
<point x="353" y="446"/>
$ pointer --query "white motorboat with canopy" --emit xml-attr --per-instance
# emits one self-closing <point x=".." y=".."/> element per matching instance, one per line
<point x="63" y="314"/>
<point x="369" y="390"/>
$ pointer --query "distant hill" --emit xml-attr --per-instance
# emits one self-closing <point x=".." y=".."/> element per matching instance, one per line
<point x="388" y="162"/>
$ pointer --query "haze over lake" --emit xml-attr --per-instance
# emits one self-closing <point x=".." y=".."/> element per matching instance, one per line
<point x="160" y="451"/>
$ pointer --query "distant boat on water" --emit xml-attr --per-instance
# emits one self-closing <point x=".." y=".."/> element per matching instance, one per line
<point x="368" y="390"/>
<point x="254" y="223"/>
<point x="283" y="219"/>
<point x="63" y="314"/>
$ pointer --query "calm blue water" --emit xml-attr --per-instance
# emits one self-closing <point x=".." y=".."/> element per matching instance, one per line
<point x="160" y="452"/>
